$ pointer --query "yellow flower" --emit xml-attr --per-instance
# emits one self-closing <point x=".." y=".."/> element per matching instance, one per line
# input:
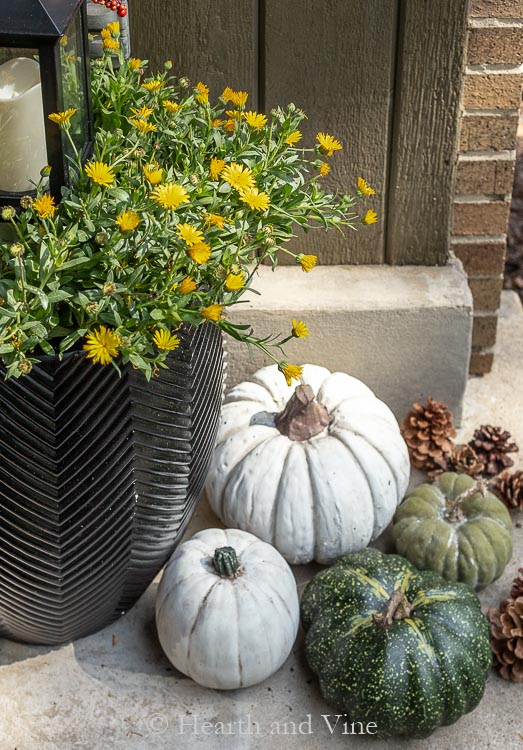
<point x="371" y="217"/>
<point x="200" y="252"/>
<point x="170" y="195"/>
<point x="153" y="86"/>
<point x="293" y="138"/>
<point x="227" y="94"/>
<point x="299" y="329"/>
<point x="291" y="372"/>
<point x="45" y="206"/>
<point x="187" y="286"/>
<point x="255" y="120"/>
<point x="255" y="199"/>
<point x="100" y="173"/>
<point x="143" y="126"/>
<point x="234" y="281"/>
<point x="105" y="34"/>
<point x="215" y="220"/>
<point x="135" y="63"/>
<point x="171" y="106"/>
<point x="143" y="112"/>
<point x="153" y="173"/>
<point x="62" y="118"/>
<point x="307" y="262"/>
<point x="203" y="93"/>
<point x="233" y="114"/>
<point x="238" y="176"/>
<point x="217" y="123"/>
<point x="111" y="44"/>
<point x="324" y="169"/>
<point x="127" y="221"/>
<point x="189" y="234"/>
<point x="239" y="98"/>
<point x="165" y="341"/>
<point x="230" y="126"/>
<point x="328" y="144"/>
<point x="213" y="312"/>
<point x="114" y="27"/>
<point x="102" y="345"/>
<point x="216" y="167"/>
<point x="364" y="187"/>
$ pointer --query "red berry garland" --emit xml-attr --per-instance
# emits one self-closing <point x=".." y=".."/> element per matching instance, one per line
<point x="117" y="5"/>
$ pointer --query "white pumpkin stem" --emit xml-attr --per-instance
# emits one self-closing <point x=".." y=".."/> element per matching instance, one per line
<point x="397" y="608"/>
<point x="303" y="417"/>
<point x="226" y="562"/>
<point x="454" y="512"/>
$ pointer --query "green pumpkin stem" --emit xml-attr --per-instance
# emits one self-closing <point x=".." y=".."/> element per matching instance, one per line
<point x="454" y="512"/>
<point x="397" y="608"/>
<point x="303" y="417"/>
<point x="226" y="562"/>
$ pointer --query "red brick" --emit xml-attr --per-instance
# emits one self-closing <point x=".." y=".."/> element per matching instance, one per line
<point x="484" y="331"/>
<point x="496" y="8"/>
<point x="480" y="218"/>
<point x="486" y="293"/>
<point x="485" y="177"/>
<point x="481" y="363"/>
<point x="482" y="258"/>
<point x="488" y="132"/>
<point x="501" y="44"/>
<point x="492" y="91"/>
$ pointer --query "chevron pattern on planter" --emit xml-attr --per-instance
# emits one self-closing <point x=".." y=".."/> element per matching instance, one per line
<point x="99" y="476"/>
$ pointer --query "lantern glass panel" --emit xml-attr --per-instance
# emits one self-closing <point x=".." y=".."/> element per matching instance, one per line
<point x="74" y="86"/>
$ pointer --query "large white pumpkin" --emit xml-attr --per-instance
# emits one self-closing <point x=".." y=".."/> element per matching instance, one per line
<point x="325" y="487"/>
<point x="227" y="609"/>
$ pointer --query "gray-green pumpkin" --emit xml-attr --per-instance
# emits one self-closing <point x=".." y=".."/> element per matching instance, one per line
<point x="449" y="528"/>
<point x="393" y="645"/>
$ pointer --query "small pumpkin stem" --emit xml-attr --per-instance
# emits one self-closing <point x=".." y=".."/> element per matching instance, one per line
<point x="454" y="512"/>
<point x="303" y="417"/>
<point x="226" y="562"/>
<point x="397" y="608"/>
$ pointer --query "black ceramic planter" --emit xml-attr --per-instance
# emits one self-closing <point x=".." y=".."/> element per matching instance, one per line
<point x="99" y="476"/>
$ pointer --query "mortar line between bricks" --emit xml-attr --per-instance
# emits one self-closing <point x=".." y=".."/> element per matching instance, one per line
<point x="489" y="112"/>
<point x="477" y="22"/>
<point x="494" y="69"/>
<point x="488" y="155"/>
<point x="476" y="238"/>
<point x="483" y="198"/>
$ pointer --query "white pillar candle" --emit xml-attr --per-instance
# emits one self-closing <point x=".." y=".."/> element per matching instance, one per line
<point x="22" y="133"/>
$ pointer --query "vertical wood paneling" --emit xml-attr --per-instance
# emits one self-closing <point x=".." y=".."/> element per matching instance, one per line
<point x="214" y="41"/>
<point x="427" y="95"/>
<point x="335" y="59"/>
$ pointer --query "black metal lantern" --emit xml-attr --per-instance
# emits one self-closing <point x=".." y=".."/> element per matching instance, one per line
<point x="44" y="68"/>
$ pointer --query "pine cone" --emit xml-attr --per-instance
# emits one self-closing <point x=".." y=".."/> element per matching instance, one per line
<point x="509" y="488"/>
<point x="507" y="638"/>
<point x="461" y="459"/>
<point x="517" y="586"/>
<point x="492" y="445"/>
<point x="428" y="430"/>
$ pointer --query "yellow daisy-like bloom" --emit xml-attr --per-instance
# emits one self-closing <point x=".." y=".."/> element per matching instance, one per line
<point x="170" y="195"/>
<point x="45" y="206"/>
<point x="291" y="372"/>
<point x="62" y="118"/>
<point x="307" y="262"/>
<point x="189" y="234"/>
<point x="324" y="169"/>
<point x="153" y="173"/>
<point x="153" y="86"/>
<point x="135" y="63"/>
<point x="127" y="221"/>
<point x="212" y="312"/>
<point x="187" y="286"/>
<point x="143" y="126"/>
<point x="364" y="187"/>
<point x="203" y="93"/>
<point x="371" y="217"/>
<point x="102" y="345"/>
<point x="230" y="126"/>
<point x="100" y="173"/>
<point x="293" y="138"/>
<point x="239" y="98"/>
<point x="299" y="329"/>
<point x="328" y="144"/>
<point x="217" y="123"/>
<point x="105" y="34"/>
<point x="111" y="44"/>
<point x="143" y="112"/>
<point x="166" y="341"/>
<point x="215" y="220"/>
<point x="200" y="252"/>
<point x="234" y="114"/>
<point x="238" y="176"/>
<point x="234" y="281"/>
<point x="216" y="167"/>
<point x="227" y="94"/>
<point x="171" y="106"/>
<point x="255" y="120"/>
<point x="114" y="27"/>
<point x="255" y="199"/>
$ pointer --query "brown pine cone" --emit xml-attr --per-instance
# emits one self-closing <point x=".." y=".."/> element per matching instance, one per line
<point x="428" y="430"/>
<point x="461" y="459"/>
<point x="509" y="488"/>
<point x="517" y="586"/>
<point x="507" y="638"/>
<point x="492" y="445"/>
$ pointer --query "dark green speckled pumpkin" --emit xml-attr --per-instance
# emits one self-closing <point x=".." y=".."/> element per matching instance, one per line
<point x="395" y="646"/>
<point x="458" y="532"/>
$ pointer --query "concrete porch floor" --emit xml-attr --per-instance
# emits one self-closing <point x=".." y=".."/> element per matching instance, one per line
<point x="116" y="690"/>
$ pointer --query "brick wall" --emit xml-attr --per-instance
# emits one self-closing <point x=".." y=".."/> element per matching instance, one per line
<point x="491" y="100"/>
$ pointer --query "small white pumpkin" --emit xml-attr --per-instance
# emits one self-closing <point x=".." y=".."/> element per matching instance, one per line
<point x="227" y="609"/>
<point x="315" y="478"/>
